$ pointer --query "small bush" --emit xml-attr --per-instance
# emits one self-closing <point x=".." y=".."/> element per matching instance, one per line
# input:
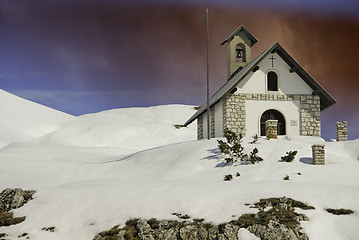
<point x="286" y="177"/>
<point x="255" y="138"/>
<point x="270" y="135"/>
<point x="2" y="235"/>
<point x="253" y="157"/>
<point x="290" y="156"/>
<point x="238" y="174"/>
<point x="232" y="149"/>
<point x="228" y="177"/>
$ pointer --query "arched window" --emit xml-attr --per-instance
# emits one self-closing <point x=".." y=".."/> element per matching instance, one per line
<point x="272" y="81"/>
<point x="240" y="53"/>
<point x="273" y="115"/>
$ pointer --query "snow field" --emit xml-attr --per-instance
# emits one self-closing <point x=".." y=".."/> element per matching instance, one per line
<point x="99" y="170"/>
<point x="87" y="194"/>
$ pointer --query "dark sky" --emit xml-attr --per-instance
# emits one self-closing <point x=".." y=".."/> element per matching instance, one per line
<point x="84" y="56"/>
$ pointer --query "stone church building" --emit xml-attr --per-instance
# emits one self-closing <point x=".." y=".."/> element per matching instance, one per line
<point x="271" y="89"/>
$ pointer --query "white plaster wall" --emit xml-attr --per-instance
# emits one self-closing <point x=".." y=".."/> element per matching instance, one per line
<point x="289" y="109"/>
<point x="288" y="83"/>
<point x="218" y="119"/>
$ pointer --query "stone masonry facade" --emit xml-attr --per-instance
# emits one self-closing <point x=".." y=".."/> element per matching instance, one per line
<point x="200" y="127"/>
<point x="212" y="127"/>
<point x="234" y="112"/>
<point x="318" y="154"/>
<point x="310" y="115"/>
<point x="342" y="131"/>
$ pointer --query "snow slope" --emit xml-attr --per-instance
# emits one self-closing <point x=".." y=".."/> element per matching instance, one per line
<point x="23" y="120"/>
<point x="96" y="173"/>
<point x="130" y="128"/>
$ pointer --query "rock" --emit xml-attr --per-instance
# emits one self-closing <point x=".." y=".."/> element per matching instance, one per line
<point x="280" y="222"/>
<point x="144" y="230"/>
<point x="230" y="231"/>
<point x="14" y="198"/>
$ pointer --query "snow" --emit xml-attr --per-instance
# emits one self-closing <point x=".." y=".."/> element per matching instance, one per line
<point x="132" y="128"/>
<point x="99" y="170"/>
<point x="23" y="120"/>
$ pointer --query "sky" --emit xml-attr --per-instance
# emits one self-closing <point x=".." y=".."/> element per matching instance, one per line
<point x="85" y="56"/>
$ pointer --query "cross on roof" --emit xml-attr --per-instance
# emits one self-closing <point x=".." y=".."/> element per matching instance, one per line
<point x="272" y="58"/>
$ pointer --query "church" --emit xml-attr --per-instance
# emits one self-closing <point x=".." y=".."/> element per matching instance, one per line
<point x="271" y="91"/>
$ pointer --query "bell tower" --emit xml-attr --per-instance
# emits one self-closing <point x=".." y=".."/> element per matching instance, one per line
<point x="239" y="49"/>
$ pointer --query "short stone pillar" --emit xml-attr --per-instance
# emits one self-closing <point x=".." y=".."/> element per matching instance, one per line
<point x="342" y="131"/>
<point x="318" y="154"/>
<point x="271" y="126"/>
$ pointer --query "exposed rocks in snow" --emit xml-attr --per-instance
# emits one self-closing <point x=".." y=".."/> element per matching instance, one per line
<point x="169" y="230"/>
<point x="49" y="229"/>
<point x="11" y="199"/>
<point x="340" y="211"/>
<point x="14" y="198"/>
<point x="279" y="222"/>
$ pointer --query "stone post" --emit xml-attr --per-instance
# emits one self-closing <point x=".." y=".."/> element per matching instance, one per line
<point x="318" y="154"/>
<point x="271" y="126"/>
<point x="342" y="131"/>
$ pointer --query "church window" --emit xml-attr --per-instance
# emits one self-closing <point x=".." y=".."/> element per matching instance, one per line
<point x="272" y="81"/>
<point x="240" y="53"/>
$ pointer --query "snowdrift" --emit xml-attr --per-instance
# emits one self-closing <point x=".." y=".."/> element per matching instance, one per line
<point x="132" y="128"/>
<point x="23" y="120"/>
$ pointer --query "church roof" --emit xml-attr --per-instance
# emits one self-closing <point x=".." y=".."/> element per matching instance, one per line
<point x="325" y="99"/>
<point x="245" y="31"/>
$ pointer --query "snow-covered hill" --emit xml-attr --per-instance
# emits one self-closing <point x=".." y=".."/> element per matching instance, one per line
<point x="128" y="128"/>
<point x="23" y="120"/>
<point x="103" y="169"/>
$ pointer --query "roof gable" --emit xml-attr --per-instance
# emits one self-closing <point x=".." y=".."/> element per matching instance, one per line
<point x="325" y="99"/>
<point x="241" y="28"/>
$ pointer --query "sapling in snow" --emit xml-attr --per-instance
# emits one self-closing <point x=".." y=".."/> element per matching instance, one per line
<point x="255" y="138"/>
<point x="228" y="177"/>
<point x="233" y="151"/>
<point x="290" y="156"/>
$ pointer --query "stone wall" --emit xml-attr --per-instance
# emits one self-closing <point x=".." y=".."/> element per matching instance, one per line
<point x="234" y="113"/>
<point x="310" y="115"/>
<point x="342" y="131"/>
<point x="212" y="125"/>
<point x="309" y="110"/>
<point x="318" y="154"/>
<point x="200" y="127"/>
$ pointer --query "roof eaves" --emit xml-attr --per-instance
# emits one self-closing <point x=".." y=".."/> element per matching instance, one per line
<point x="239" y="29"/>
<point x="326" y="99"/>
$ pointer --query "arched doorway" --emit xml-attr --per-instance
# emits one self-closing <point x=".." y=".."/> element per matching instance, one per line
<point x="273" y="115"/>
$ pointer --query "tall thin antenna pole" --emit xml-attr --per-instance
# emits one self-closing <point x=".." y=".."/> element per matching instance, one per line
<point x="208" y="110"/>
